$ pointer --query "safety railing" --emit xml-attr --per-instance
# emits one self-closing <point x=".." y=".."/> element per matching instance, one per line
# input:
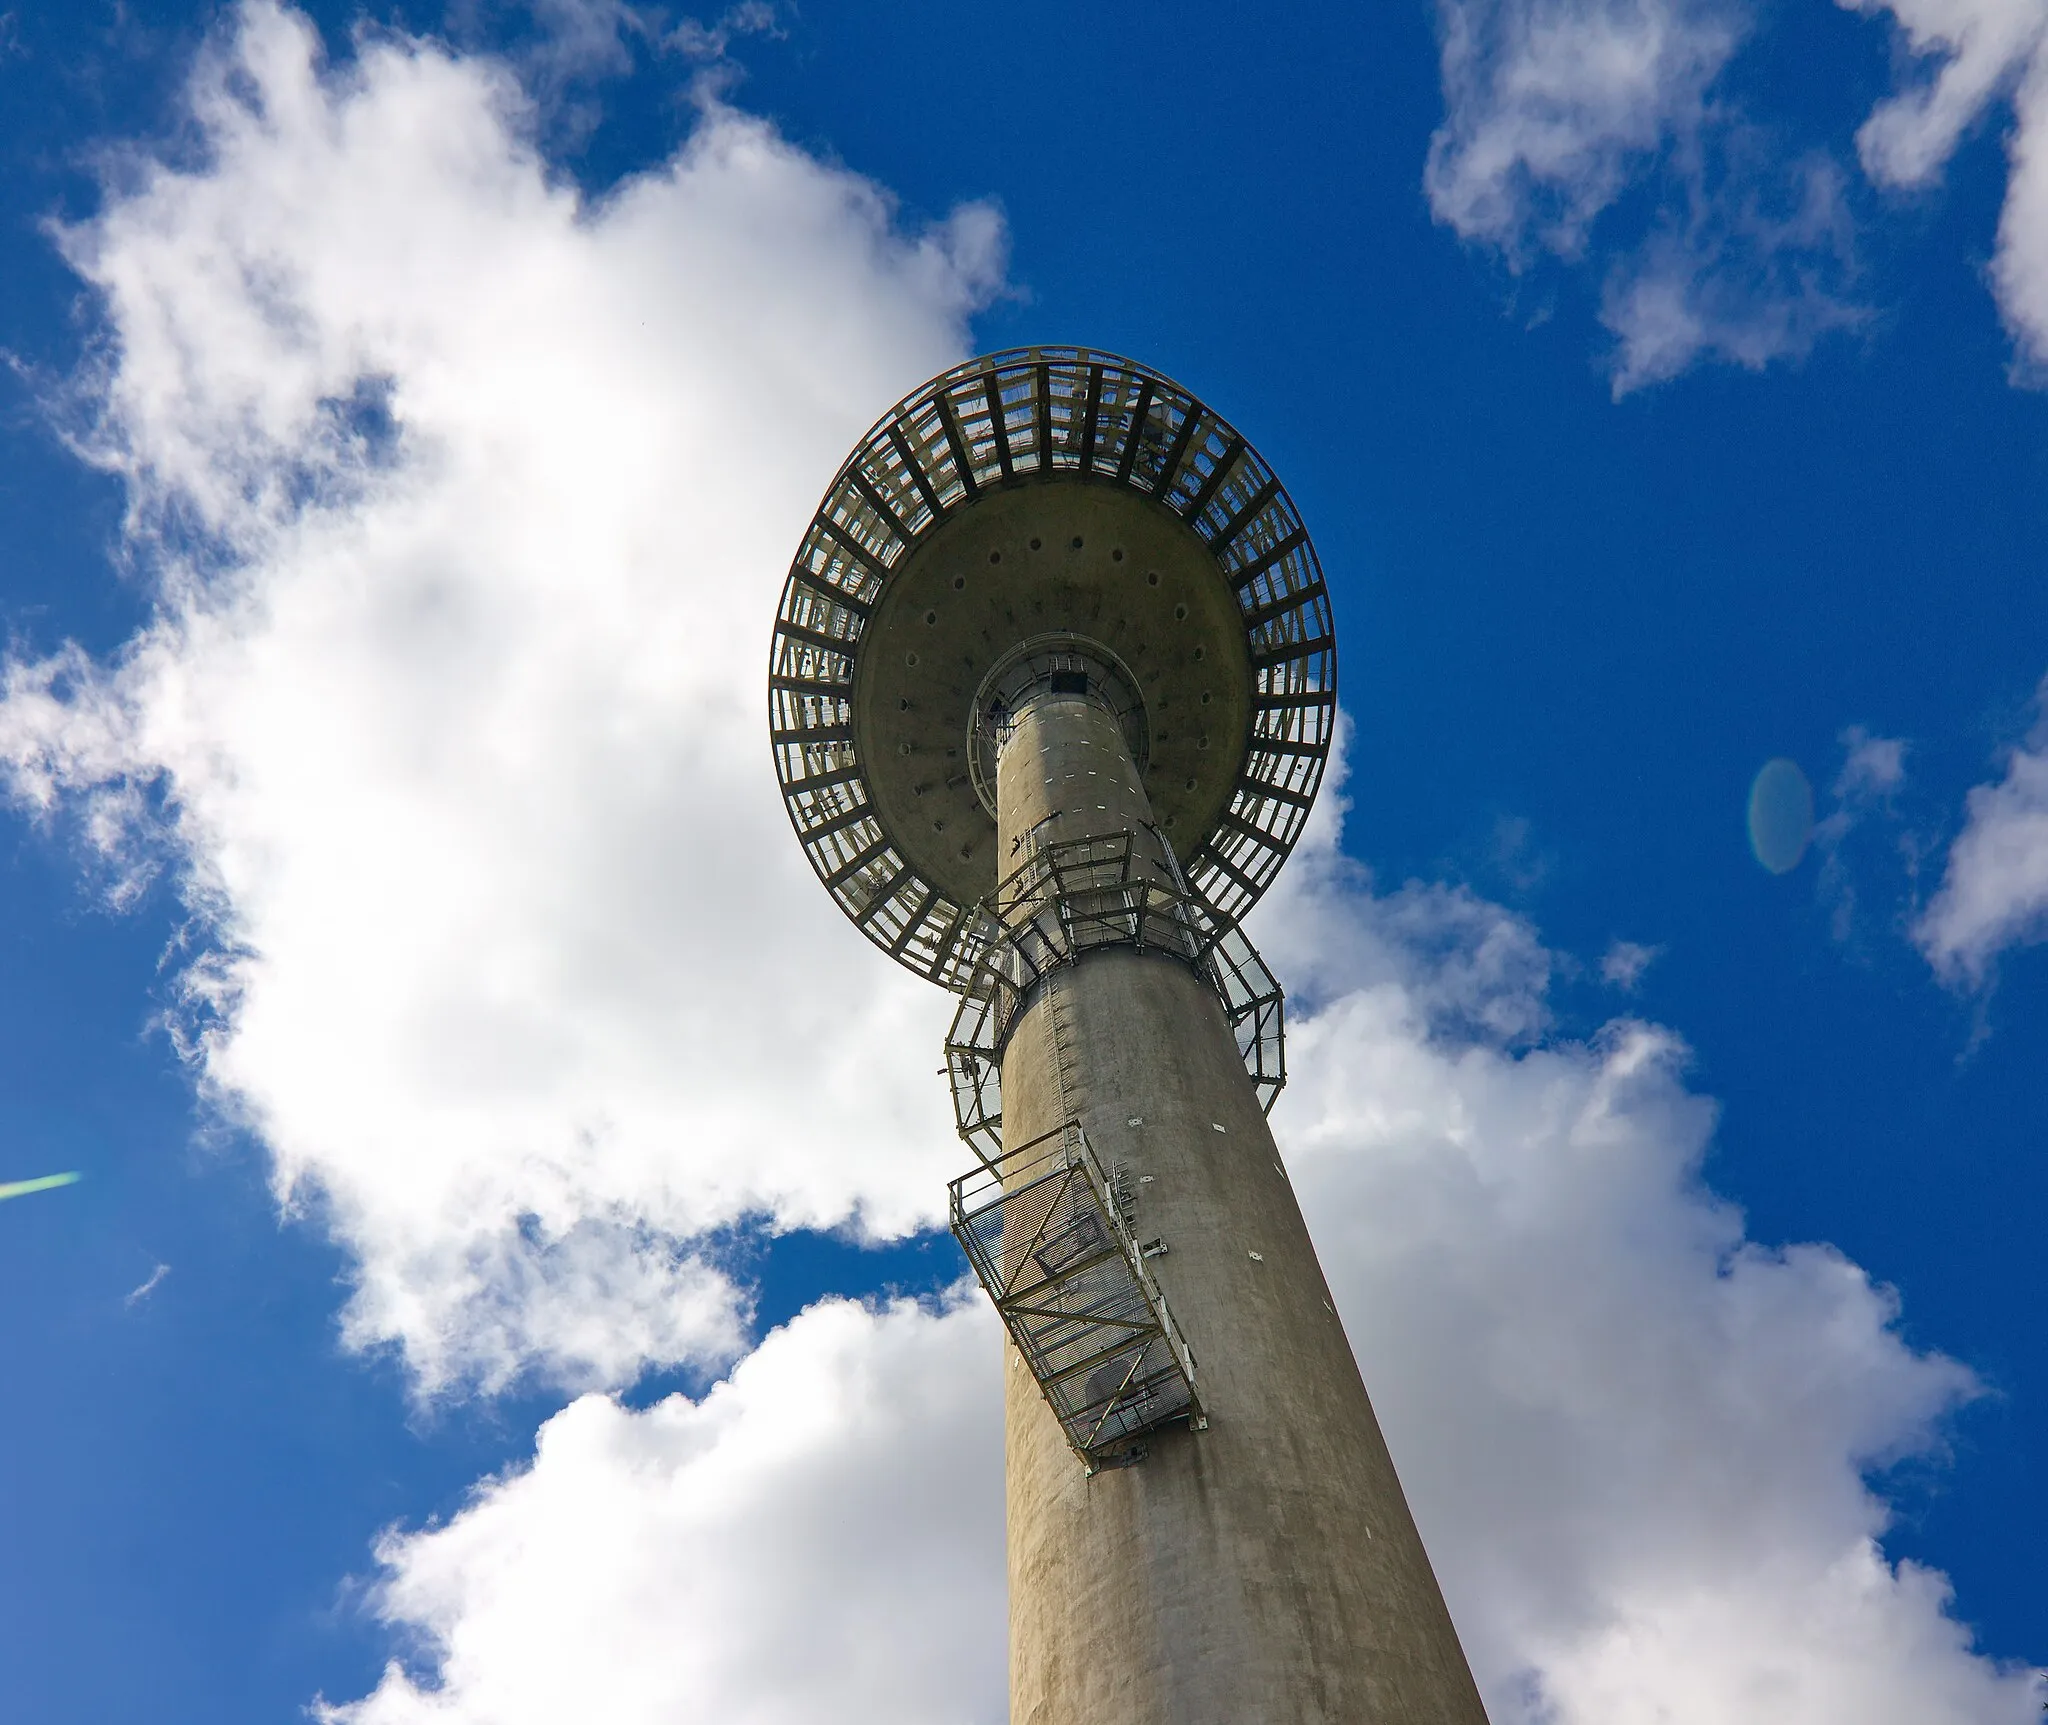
<point x="1045" y="1231"/>
<point x="1072" y="898"/>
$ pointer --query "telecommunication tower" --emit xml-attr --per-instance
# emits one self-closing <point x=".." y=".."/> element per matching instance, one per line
<point x="1051" y="692"/>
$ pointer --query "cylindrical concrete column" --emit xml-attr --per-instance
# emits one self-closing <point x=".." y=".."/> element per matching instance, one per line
<point x="1264" y="1571"/>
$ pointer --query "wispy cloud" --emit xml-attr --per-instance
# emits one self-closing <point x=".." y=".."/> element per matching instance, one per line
<point x="1865" y="789"/>
<point x="701" y="41"/>
<point x="1960" y="59"/>
<point x="136" y="1295"/>
<point x="1602" y="134"/>
<point x="1623" y="964"/>
<point x="1994" y="887"/>
<point x="1596" y="132"/>
<point x="1873" y="767"/>
<point x="571" y="48"/>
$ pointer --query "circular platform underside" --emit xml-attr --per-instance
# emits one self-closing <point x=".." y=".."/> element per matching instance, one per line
<point x="1047" y="491"/>
<point x="1101" y="563"/>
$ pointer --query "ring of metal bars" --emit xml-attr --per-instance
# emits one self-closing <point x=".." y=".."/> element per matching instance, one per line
<point x="1003" y="420"/>
<point x="1068" y="900"/>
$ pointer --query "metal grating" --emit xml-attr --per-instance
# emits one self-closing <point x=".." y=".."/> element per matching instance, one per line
<point x="1000" y="420"/>
<point x="1047" y="1238"/>
<point x="1067" y="900"/>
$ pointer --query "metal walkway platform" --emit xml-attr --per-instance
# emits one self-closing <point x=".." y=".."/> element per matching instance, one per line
<point x="1073" y="898"/>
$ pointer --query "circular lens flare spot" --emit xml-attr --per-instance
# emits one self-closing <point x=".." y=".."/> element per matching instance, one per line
<point x="1780" y="816"/>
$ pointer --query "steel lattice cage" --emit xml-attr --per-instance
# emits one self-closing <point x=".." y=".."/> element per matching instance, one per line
<point x="1072" y="898"/>
<point x="1045" y="1231"/>
<point x="995" y="424"/>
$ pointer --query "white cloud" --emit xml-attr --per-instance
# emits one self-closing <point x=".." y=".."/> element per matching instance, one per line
<point x="1636" y="1441"/>
<point x="466" y="504"/>
<point x="1554" y="107"/>
<point x="1750" y="265"/>
<point x="2019" y="269"/>
<point x="820" y="1538"/>
<point x="1558" y="110"/>
<point x="573" y="46"/>
<point x="1982" y="47"/>
<point x="1873" y="767"/>
<point x="1974" y="54"/>
<point x="1623" y="963"/>
<point x="1994" y="888"/>
<point x="700" y="41"/>
<point x="147" y="1286"/>
<point x="1872" y="775"/>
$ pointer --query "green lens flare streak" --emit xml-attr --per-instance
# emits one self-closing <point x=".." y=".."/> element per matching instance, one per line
<point x="22" y="1188"/>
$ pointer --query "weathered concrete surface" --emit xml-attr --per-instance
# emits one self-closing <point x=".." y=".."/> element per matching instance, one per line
<point x="1265" y="1571"/>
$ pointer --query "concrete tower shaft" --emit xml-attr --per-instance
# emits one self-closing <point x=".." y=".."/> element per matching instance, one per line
<point x="1052" y="691"/>
<point x="1265" y="1568"/>
<point x="1065" y="773"/>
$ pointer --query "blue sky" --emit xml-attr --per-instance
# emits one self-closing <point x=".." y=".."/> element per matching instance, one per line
<point x="403" y="445"/>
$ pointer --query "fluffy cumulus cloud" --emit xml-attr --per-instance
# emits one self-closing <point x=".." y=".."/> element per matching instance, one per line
<point x="1558" y="110"/>
<point x="1640" y="1445"/>
<point x="820" y="1538"/>
<point x="1962" y="58"/>
<point x="1994" y="886"/>
<point x="465" y="502"/>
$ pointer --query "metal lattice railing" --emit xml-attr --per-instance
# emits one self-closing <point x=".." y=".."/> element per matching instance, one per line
<point x="1045" y="1231"/>
<point x="1069" y="899"/>
<point x="995" y="422"/>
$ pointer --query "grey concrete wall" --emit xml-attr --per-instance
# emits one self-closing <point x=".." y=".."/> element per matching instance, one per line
<point x="1264" y="1571"/>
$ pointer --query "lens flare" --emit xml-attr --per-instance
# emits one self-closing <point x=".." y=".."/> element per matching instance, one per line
<point x="44" y="1183"/>
<point x="1780" y="816"/>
